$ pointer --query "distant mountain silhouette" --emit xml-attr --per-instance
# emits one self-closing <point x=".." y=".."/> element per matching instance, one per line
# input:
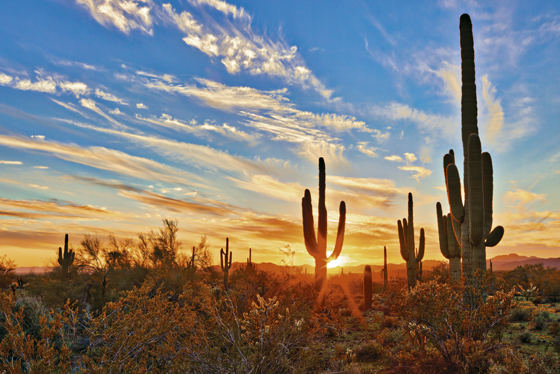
<point x="499" y="263"/>
<point x="512" y="260"/>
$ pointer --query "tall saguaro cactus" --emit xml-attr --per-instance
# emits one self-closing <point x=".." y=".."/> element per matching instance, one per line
<point x="409" y="253"/>
<point x="225" y="263"/>
<point x="66" y="259"/>
<point x="368" y="287"/>
<point x="471" y="218"/>
<point x="448" y="244"/>
<point x="317" y="246"/>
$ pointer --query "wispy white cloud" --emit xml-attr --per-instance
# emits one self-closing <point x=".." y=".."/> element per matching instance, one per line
<point x="410" y="157"/>
<point x="44" y="83"/>
<point x="193" y="127"/>
<point x="109" y="97"/>
<point x="428" y="123"/>
<point x="4" y="162"/>
<point x="105" y="159"/>
<point x="91" y="105"/>
<point x="223" y="7"/>
<point x="519" y="198"/>
<point x="241" y="49"/>
<point x="362" y="147"/>
<point x="332" y="153"/>
<point x="421" y="172"/>
<point x="125" y="15"/>
<point x="165" y="77"/>
<point x="141" y="106"/>
<point x="394" y="158"/>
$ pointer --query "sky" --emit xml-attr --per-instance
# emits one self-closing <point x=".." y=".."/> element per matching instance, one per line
<point x="116" y="114"/>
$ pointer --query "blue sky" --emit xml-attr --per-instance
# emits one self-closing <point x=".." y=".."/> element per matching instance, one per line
<point x="115" y="114"/>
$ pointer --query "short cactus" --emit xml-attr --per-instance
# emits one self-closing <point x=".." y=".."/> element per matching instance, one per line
<point x="317" y="246"/>
<point x="66" y="259"/>
<point x="368" y="286"/>
<point x="225" y="263"/>
<point x="409" y="253"/>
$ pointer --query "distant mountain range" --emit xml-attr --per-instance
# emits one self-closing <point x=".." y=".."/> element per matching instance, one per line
<point x="499" y="263"/>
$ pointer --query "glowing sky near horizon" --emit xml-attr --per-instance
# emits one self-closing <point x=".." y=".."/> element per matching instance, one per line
<point x="115" y="114"/>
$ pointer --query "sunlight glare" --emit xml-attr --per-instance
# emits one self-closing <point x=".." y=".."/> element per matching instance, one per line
<point x="338" y="262"/>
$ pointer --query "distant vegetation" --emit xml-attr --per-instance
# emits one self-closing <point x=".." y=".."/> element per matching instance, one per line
<point x="151" y="305"/>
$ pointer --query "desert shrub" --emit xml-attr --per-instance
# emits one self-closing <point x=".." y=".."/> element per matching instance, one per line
<point x="524" y="337"/>
<point x="543" y="363"/>
<point x="390" y="322"/>
<point x="47" y="351"/>
<point x="391" y="337"/>
<point x="554" y="328"/>
<point x="519" y="315"/>
<point x="435" y="313"/>
<point x="540" y="320"/>
<point x="369" y="351"/>
<point x="144" y="332"/>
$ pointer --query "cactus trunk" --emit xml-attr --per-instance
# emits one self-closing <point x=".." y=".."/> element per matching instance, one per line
<point x="455" y="268"/>
<point x="385" y="282"/>
<point x="368" y="287"/>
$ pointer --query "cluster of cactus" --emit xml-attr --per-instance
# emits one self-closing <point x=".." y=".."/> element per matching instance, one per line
<point x="471" y="219"/>
<point x="384" y="269"/>
<point x="66" y="259"/>
<point x="413" y="256"/>
<point x="225" y="263"/>
<point x="368" y="286"/>
<point x="317" y="245"/>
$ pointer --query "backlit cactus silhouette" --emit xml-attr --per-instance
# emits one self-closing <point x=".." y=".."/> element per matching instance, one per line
<point x="409" y="253"/>
<point x="225" y="263"/>
<point x="384" y="270"/>
<point x="368" y="286"/>
<point x="448" y="244"/>
<point x="249" y="261"/>
<point x="471" y="218"/>
<point x="317" y="246"/>
<point x="66" y="259"/>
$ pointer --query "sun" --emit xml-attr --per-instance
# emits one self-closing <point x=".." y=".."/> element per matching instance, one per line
<point x="338" y="262"/>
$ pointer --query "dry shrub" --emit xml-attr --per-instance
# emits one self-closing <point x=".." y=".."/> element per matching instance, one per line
<point x="45" y="352"/>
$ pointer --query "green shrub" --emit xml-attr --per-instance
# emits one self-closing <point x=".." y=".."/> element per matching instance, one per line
<point x="390" y="337"/>
<point x="390" y="322"/>
<point x="520" y="315"/>
<point x="554" y="328"/>
<point x="369" y="351"/>
<point x="540" y="320"/>
<point x="525" y="337"/>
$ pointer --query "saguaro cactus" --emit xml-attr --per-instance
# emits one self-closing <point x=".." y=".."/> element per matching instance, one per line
<point x="249" y="261"/>
<point x="471" y="219"/>
<point x="317" y="246"/>
<point x="448" y="244"/>
<point x="409" y="253"/>
<point x="225" y="263"/>
<point x="65" y="259"/>
<point x="368" y="286"/>
<point x="384" y="270"/>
